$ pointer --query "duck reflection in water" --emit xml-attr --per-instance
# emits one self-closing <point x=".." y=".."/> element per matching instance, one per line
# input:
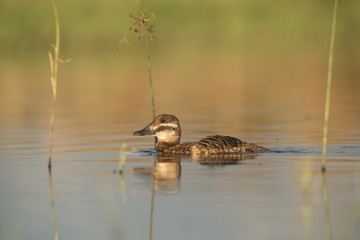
<point x="223" y="159"/>
<point x="167" y="171"/>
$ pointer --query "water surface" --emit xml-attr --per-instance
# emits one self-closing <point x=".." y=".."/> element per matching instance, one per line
<point x="270" y="195"/>
<point x="252" y="70"/>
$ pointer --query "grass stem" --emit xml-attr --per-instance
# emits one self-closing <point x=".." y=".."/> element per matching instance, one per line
<point x="148" y="48"/>
<point x="328" y="89"/>
<point x="148" y="40"/>
<point x="141" y="24"/>
<point x="54" y="60"/>
<point x="326" y="123"/>
<point x="122" y="158"/>
<point x="51" y="131"/>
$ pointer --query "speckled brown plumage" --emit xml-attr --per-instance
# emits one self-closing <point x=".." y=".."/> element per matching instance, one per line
<point x="167" y="129"/>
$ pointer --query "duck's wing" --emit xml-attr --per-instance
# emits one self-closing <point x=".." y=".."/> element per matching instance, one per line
<point x="219" y="144"/>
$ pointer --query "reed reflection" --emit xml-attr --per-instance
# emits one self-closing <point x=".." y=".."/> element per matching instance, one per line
<point x="52" y="201"/>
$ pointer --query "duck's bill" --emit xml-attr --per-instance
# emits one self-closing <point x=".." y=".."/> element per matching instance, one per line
<point x="148" y="130"/>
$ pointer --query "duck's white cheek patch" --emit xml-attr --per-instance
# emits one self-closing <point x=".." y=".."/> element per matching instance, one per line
<point x="165" y="135"/>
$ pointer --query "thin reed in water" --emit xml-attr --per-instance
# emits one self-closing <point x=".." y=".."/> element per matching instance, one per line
<point x="326" y="124"/>
<point x="141" y="24"/>
<point x="328" y="89"/>
<point x="54" y="60"/>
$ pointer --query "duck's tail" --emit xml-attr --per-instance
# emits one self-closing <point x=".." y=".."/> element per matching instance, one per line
<point x="251" y="147"/>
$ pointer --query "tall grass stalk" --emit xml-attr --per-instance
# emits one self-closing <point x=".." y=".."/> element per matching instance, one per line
<point x="122" y="158"/>
<point x="328" y="89"/>
<point x="54" y="60"/>
<point x="148" y="41"/>
<point x="326" y="123"/>
<point x="141" y="23"/>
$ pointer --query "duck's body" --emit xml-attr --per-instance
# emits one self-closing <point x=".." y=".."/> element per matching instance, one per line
<point x="216" y="144"/>
<point x="167" y="129"/>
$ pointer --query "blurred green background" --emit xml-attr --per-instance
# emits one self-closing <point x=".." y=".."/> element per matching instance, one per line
<point x="205" y="54"/>
<point x="240" y="28"/>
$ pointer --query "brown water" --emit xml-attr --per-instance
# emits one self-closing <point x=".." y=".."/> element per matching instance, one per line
<point x="272" y="195"/>
<point x="249" y="69"/>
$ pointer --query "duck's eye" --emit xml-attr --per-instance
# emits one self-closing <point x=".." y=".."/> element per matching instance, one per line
<point x="162" y="120"/>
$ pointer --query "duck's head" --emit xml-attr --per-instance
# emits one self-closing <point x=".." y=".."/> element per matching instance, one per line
<point x="165" y="127"/>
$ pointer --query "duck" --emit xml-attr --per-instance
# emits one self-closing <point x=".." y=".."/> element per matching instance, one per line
<point x="166" y="128"/>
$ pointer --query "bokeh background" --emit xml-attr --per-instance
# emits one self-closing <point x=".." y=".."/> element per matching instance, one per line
<point x="254" y="69"/>
<point x="207" y="56"/>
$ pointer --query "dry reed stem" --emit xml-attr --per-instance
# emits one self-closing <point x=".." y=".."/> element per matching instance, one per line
<point x="53" y="78"/>
<point x="54" y="60"/>
<point x="148" y="47"/>
<point x="326" y="124"/>
<point x="141" y="23"/>
<point x="328" y="89"/>
<point x="150" y="76"/>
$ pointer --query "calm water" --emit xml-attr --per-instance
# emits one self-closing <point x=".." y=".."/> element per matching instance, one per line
<point x="274" y="195"/>
<point x="255" y="70"/>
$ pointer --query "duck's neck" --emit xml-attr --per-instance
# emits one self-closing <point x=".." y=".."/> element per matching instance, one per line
<point x="162" y="145"/>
